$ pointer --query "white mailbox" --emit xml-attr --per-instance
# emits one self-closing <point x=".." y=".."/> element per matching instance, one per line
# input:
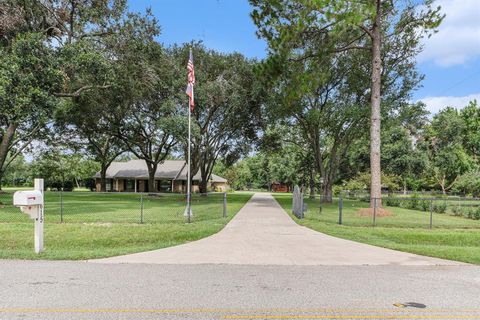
<point x="29" y="202"/>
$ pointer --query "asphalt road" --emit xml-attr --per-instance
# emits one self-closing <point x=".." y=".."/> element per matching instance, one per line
<point x="79" y="290"/>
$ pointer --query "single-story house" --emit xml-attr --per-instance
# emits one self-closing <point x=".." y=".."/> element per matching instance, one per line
<point x="171" y="176"/>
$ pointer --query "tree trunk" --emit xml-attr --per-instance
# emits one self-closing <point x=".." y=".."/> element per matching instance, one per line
<point x="103" y="178"/>
<point x="152" y="168"/>
<point x="1" y="179"/>
<point x="203" y="186"/>
<point x="4" y="147"/>
<point x="204" y="180"/>
<point x="327" y="192"/>
<point x="375" y="169"/>
<point x="312" y="185"/>
<point x="442" y="185"/>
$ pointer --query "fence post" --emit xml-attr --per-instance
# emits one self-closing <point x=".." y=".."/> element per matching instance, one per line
<point x="141" y="207"/>
<point x="374" y="210"/>
<point x="297" y="202"/>
<point x="61" y="205"/>
<point x="39" y="221"/>
<point x="431" y="213"/>
<point x="224" y="204"/>
<point x="320" y="205"/>
<point x="340" y="210"/>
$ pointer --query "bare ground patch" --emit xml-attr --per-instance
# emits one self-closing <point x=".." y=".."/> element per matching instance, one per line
<point x="379" y="212"/>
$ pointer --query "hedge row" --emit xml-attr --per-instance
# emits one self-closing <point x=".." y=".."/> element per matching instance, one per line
<point x="413" y="203"/>
<point x="470" y="213"/>
<point x="438" y="206"/>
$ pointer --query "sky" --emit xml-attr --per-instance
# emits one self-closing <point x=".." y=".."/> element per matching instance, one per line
<point x="450" y="60"/>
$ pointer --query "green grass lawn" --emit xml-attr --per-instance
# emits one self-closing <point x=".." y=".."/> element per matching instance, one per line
<point x="451" y="237"/>
<point x="102" y="225"/>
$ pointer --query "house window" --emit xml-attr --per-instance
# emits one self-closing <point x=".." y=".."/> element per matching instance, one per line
<point x="108" y="185"/>
<point x="130" y="185"/>
<point x="165" y="186"/>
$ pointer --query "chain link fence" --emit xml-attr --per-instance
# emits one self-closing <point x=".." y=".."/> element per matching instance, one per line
<point x="9" y="213"/>
<point x="92" y="207"/>
<point x="395" y="211"/>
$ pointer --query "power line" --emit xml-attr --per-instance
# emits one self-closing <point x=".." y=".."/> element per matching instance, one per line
<point x="459" y="83"/>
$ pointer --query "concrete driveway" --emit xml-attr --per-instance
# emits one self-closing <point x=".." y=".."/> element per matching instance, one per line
<point x="262" y="233"/>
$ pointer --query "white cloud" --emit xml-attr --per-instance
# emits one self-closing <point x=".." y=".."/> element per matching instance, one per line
<point x="458" y="39"/>
<point x="435" y="104"/>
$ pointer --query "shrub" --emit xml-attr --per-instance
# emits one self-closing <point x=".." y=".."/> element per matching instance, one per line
<point x="468" y="183"/>
<point x="365" y="199"/>
<point x="424" y="205"/>
<point x="412" y="203"/>
<point x="337" y="190"/>
<point x="391" y="201"/>
<point x="68" y="186"/>
<point x="470" y="214"/>
<point x="476" y="214"/>
<point x="56" y="186"/>
<point x="459" y="211"/>
<point x="362" y="182"/>
<point x="440" y="207"/>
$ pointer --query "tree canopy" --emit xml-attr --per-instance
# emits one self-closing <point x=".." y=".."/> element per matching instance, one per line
<point x="89" y="83"/>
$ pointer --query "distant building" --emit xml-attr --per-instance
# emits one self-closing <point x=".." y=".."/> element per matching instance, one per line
<point x="171" y="176"/>
<point x="279" y="187"/>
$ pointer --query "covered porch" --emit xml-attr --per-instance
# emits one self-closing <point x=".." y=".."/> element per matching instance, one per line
<point x="141" y="185"/>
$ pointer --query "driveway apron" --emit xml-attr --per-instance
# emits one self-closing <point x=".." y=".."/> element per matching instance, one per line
<point x="262" y="233"/>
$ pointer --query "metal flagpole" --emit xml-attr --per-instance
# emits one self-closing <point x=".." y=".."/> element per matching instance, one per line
<point x="189" y="210"/>
<point x="191" y="81"/>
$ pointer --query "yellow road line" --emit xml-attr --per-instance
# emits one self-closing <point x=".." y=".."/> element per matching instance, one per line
<point x="410" y="316"/>
<point x="105" y="310"/>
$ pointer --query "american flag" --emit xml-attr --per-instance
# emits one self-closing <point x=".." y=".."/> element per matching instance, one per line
<point x="191" y="81"/>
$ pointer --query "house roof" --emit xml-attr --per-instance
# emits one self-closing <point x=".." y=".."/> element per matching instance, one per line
<point x="137" y="169"/>
<point x="215" y="178"/>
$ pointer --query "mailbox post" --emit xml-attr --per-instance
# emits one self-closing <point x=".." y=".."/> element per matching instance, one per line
<point x="31" y="202"/>
<point x="38" y="185"/>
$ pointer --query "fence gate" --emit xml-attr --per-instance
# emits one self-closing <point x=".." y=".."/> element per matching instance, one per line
<point x="297" y="202"/>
